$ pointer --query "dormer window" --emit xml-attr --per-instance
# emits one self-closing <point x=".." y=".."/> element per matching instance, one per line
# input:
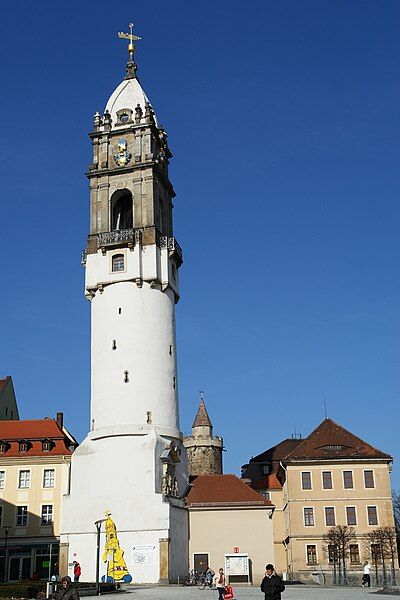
<point x="46" y="445"/>
<point x="3" y="446"/>
<point x="23" y="445"/>
<point x="124" y="118"/>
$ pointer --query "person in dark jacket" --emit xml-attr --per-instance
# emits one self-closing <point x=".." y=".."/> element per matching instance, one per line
<point x="272" y="585"/>
<point x="66" y="591"/>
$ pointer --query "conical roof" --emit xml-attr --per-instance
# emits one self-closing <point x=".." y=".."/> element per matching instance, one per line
<point x="202" y="419"/>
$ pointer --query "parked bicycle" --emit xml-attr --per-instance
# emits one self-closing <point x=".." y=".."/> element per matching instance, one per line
<point x="198" y="579"/>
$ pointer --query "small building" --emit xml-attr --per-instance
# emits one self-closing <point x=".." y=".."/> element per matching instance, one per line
<point x="35" y="457"/>
<point x="204" y="450"/>
<point x="330" y="478"/>
<point x="8" y="401"/>
<point x="230" y="526"/>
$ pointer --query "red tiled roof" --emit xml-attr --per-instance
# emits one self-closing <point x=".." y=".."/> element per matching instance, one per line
<point x="202" y="419"/>
<point x="332" y="441"/>
<point x="277" y="452"/>
<point x="34" y="431"/>
<point x="223" y="490"/>
<point x="270" y="482"/>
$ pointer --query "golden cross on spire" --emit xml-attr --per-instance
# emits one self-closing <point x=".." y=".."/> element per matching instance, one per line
<point x="131" y="37"/>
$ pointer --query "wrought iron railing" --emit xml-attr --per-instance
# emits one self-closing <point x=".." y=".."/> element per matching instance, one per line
<point x="118" y="236"/>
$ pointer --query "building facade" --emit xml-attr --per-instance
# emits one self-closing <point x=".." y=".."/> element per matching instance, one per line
<point x="329" y="478"/>
<point x="35" y="459"/>
<point x="231" y="527"/>
<point x="132" y="464"/>
<point x="204" y="450"/>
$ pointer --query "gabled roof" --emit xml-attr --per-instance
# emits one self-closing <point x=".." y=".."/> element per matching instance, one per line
<point x="332" y="441"/>
<point x="278" y="452"/>
<point x="223" y="490"/>
<point x="35" y="431"/>
<point x="202" y="419"/>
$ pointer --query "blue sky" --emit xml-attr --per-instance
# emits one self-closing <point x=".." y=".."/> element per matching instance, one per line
<point x="283" y="118"/>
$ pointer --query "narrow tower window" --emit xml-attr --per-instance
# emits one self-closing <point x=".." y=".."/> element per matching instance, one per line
<point x="149" y="418"/>
<point x="114" y="344"/>
<point x="118" y="262"/>
<point x="170" y="350"/>
<point x="119" y="311"/>
<point x="126" y="376"/>
<point x="174" y="383"/>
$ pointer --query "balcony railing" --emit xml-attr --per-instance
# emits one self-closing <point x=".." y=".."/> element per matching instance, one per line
<point x="119" y="236"/>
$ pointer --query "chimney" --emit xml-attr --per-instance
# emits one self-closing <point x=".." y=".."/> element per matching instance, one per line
<point x="60" y="419"/>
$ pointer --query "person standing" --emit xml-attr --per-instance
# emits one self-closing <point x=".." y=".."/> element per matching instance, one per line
<point x="66" y="591"/>
<point x="272" y="585"/>
<point x="220" y="582"/>
<point x="366" y="578"/>
<point x="77" y="571"/>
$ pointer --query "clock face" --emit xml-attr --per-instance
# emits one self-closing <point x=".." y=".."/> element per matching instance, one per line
<point x="124" y="118"/>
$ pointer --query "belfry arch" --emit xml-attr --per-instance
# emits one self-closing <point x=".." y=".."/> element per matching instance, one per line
<point x="121" y="210"/>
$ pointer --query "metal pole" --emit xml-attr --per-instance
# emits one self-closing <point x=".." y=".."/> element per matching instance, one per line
<point x="5" y="555"/>
<point x="51" y="548"/>
<point x="98" y="527"/>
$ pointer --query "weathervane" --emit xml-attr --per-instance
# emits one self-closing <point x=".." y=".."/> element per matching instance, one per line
<point x="131" y="37"/>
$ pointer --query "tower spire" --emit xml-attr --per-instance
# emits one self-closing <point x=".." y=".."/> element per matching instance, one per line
<point x="131" y="66"/>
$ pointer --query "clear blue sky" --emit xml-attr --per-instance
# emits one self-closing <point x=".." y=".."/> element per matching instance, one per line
<point x="283" y="118"/>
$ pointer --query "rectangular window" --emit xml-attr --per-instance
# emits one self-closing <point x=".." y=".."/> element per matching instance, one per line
<point x="348" y="480"/>
<point x="351" y="515"/>
<point x="24" y="480"/>
<point x="354" y="554"/>
<point x="333" y="553"/>
<point x="266" y="495"/>
<point x="47" y="514"/>
<point x="369" y="479"/>
<point x="375" y="553"/>
<point x="48" y="478"/>
<point x="22" y="516"/>
<point x="327" y="480"/>
<point x="2" y="479"/>
<point x="311" y="554"/>
<point x="372" y="515"/>
<point x="330" y="516"/>
<point x="306" y="480"/>
<point x="309" y="517"/>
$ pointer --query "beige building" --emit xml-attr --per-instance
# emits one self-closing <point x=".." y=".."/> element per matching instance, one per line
<point x="329" y="478"/>
<point x="230" y="526"/>
<point x="35" y="460"/>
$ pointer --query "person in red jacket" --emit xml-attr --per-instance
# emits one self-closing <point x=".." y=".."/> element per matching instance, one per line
<point x="77" y="570"/>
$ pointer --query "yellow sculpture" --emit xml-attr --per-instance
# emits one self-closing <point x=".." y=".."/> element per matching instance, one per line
<point x="113" y="555"/>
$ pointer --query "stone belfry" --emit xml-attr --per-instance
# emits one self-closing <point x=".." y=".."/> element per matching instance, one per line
<point x="204" y="450"/>
<point x="132" y="463"/>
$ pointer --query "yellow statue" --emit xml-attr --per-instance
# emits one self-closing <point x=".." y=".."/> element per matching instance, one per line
<point x="113" y="555"/>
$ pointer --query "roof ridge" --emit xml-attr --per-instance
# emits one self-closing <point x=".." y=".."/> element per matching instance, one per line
<point x="295" y="451"/>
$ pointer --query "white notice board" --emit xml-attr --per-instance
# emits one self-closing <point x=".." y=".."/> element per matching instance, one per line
<point x="144" y="555"/>
<point x="237" y="564"/>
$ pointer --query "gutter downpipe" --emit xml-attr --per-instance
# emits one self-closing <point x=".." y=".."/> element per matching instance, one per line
<point x="289" y="521"/>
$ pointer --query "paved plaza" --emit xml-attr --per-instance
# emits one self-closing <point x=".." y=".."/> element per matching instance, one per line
<point x="248" y="593"/>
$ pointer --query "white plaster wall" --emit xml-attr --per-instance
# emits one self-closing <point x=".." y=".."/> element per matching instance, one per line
<point x="121" y="474"/>
<point x="144" y="333"/>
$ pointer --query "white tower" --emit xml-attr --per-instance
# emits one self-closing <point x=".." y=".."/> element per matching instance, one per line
<point x="132" y="462"/>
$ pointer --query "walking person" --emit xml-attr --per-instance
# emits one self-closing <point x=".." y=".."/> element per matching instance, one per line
<point x="77" y="570"/>
<point x="272" y="585"/>
<point x="220" y="582"/>
<point x="366" y="578"/>
<point x="66" y="591"/>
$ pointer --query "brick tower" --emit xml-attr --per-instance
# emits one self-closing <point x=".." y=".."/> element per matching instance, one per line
<point x="204" y="450"/>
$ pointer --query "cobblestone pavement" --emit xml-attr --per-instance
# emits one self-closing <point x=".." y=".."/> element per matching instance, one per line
<point x="247" y="593"/>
